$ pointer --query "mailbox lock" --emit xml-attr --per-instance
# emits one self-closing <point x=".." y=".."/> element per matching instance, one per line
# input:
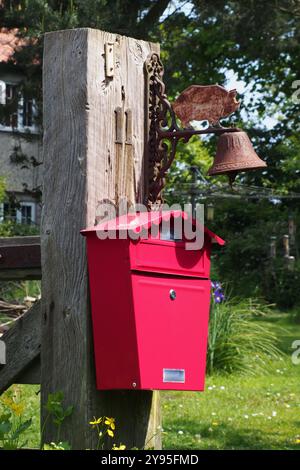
<point x="172" y="294"/>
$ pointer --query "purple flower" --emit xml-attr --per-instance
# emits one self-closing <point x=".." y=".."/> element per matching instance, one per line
<point x="218" y="294"/>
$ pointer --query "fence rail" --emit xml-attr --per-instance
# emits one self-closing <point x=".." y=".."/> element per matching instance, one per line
<point x="20" y="258"/>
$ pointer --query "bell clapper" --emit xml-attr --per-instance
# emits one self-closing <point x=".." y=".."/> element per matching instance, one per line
<point x="231" y="177"/>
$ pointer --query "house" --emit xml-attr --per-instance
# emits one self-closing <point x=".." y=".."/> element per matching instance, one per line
<point x="20" y="156"/>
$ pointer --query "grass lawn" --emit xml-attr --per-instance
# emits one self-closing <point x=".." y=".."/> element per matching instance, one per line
<point x="240" y="412"/>
<point x="235" y="412"/>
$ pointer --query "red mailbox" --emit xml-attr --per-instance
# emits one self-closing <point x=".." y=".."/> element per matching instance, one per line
<point x="150" y="304"/>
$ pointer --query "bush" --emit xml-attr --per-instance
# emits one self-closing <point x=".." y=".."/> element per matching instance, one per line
<point x="236" y="343"/>
<point x="13" y="229"/>
<point x="282" y="285"/>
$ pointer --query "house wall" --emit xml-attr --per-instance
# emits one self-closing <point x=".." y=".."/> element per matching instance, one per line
<point x="18" y="175"/>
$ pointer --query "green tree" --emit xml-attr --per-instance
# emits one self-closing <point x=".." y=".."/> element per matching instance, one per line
<point x="258" y="41"/>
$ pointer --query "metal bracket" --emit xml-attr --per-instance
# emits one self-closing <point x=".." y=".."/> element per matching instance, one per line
<point x="161" y="127"/>
<point x="109" y="59"/>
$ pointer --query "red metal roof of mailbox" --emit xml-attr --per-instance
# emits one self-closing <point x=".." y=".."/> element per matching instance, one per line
<point x="137" y="221"/>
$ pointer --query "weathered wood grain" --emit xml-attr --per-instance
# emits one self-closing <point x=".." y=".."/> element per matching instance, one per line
<point x="23" y="342"/>
<point x="32" y="373"/>
<point x="20" y="274"/>
<point x="81" y="170"/>
<point x="19" y="241"/>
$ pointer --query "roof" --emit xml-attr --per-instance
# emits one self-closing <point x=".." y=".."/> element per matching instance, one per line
<point x="136" y="222"/>
<point x="9" y="43"/>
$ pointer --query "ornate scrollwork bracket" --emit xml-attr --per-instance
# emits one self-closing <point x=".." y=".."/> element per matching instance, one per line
<point x="163" y="131"/>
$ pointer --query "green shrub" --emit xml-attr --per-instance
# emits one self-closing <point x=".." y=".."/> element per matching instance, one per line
<point x="295" y="315"/>
<point x="236" y="343"/>
<point x="282" y="285"/>
<point x="13" y="229"/>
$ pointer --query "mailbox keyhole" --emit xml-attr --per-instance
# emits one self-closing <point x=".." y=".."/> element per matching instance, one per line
<point x="172" y="294"/>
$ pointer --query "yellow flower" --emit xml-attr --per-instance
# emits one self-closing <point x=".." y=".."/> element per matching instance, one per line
<point x="95" y="422"/>
<point x="121" y="447"/>
<point x="7" y="401"/>
<point x="215" y="423"/>
<point x="110" y="422"/>
<point x="17" y="408"/>
<point x="297" y="441"/>
<point x="110" y="433"/>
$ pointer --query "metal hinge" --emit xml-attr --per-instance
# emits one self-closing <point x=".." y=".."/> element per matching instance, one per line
<point x="109" y="59"/>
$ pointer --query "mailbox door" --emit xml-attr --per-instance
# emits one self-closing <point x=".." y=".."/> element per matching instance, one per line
<point x="171" y="315"/>
<point x="170" y="257"/>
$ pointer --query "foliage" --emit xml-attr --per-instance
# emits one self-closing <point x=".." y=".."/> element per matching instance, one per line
<point x="296" y="315"/>
<point x="58" y="446"/>
<point x="16" y="407"/>
<point x="244" y="262"/>
<point x="10" y="228"/>
<point x="12" y="424"/>
<point x="16" y="291"/>
<point x="257" y="40"/>
<point x="57" y="411"/>
<point x="236" y="343"/>
<point x="2" y="189"/>
<point x="282" y="285"/>
<point x="202" y="42"/>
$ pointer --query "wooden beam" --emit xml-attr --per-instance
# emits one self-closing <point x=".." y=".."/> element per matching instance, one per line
<point x="88" y="157"/>
<point x="31" y="374"/>
<point x="23" y="343"/>
<point x="20" y="258"/>
<point x="20" y="241"/>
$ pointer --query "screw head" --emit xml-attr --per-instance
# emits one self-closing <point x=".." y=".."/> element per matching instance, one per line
<point x="133" y="384"/>
<point x="172" y="294"/>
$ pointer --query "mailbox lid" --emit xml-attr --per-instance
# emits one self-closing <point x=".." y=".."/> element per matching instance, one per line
<point x="142" y="221"/>
<point x="153" y="254"/>
<point x="171" y="316"/>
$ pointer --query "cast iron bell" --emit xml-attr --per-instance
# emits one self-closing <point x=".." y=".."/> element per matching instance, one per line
<point x="234" y="154"/>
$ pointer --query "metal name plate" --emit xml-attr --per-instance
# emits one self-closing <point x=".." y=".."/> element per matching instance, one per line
<point x="174" y="375"/>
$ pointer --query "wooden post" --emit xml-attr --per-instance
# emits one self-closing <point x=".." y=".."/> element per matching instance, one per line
<point x="90" y="78"/>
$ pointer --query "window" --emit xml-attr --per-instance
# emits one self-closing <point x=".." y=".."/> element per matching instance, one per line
<point x="7" y="212"/>
<point x="26" y="213"/>
<point x="27" y="113"/>
<point x="23" y="213"/>
<point x="10" y="118"/>
<point x="19" y="111"/>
